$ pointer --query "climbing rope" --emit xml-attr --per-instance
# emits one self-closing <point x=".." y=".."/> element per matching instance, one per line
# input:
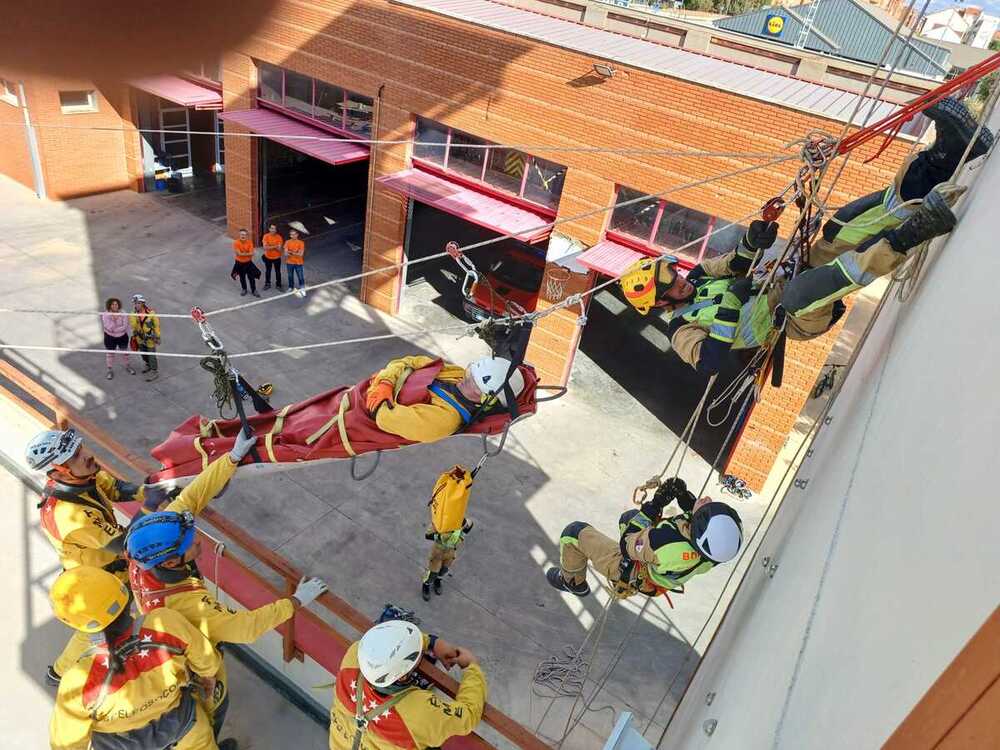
<point x="221" y="391"/>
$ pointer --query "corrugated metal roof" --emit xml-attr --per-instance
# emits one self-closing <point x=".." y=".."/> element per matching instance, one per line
<point x="468" y="204"/>
<point x="179" y="91"/>
<point x="610" y="258"/>
<point x="274" y="126"/>
<point x="856" y="33"/>
<point x="657" y="58"/>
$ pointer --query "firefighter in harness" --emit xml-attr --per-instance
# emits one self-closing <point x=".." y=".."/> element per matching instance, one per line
<point x="716" y="308"/>
<point x="162" y="553"/>
<point x="134" y="687"/>
<point x="377" y="704"/>
<point x="653" y="553"/>
<point x="77" y="515"/>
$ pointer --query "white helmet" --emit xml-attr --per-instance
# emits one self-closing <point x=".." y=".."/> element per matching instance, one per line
<point x="489" y="373"/>
<point x="390" y="651"/>
<point x="138" y="299"/>
<point x="717" y="532"/>
<point x="52" y="447"/>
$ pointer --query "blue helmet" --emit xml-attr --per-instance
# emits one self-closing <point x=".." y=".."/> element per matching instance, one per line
<point x="158" y="537"/>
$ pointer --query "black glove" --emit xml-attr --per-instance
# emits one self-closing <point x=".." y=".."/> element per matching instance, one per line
<point x="761" y="235"/>
<point x="625" y="570"/>
<point x="742" y="289"/>
<point x="779" y="317"/>
<point x="686" y="501"/>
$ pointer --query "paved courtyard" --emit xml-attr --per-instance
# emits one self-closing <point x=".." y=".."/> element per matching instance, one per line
<point x="578" y="459"/>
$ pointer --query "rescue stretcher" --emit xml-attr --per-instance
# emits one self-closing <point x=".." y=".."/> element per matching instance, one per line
<point x="330" y="426"/>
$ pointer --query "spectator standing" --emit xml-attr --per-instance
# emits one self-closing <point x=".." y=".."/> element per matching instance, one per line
<point x="145" y="334"/>
<point x="244" y="267"/>
<point x="115" y="324"/>
<point x="272" y="242"/>
<point x="295" y="251"/>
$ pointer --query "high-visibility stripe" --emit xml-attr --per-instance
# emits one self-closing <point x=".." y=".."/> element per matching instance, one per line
<point x="849" y="265"/>
<point x="723" y="332"/>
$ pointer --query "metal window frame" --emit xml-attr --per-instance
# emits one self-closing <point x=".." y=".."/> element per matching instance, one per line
<point x="75" y="109"/>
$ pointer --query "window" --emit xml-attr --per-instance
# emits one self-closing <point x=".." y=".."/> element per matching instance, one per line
<point x="329" y="104"/>
<point x="358" y="114"/>
<point x="465" y="154"/>
<point x="429" y="131"/>
<point x="337" y="107"/>
<point x="505" y="169"/>
<point x="72" y="102"/>
<point x="271" y="83"/>
<point x="636" y="219"/>
<point x="8" y="92"/>
<point x="210" y="71"/>
<point x="659" y="223"/>
<point x="298" y="93"/>
<point x="545" y="182"/>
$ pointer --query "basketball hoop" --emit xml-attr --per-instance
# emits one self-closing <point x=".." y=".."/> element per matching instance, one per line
<point x="554" y="283"/>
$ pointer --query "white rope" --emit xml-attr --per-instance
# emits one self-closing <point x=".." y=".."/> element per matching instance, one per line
<point x="429" y="144"/>
<point x="259" y="352"/>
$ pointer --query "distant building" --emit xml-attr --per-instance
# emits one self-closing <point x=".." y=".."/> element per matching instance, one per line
<point x="961" y="25"/>
<point x="846" y="29"/>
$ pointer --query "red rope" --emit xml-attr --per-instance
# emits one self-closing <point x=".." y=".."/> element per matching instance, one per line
<point x="892" y="124"/>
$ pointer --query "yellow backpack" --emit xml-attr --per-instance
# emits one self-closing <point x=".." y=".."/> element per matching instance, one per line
<point x="450" y="499"/>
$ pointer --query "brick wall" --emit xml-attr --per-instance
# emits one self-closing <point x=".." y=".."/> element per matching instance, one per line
<point x="239" y="84"/>
<point x="77" y="161"/>
<point x="15" y="159"/>
<point x="511" y="90"/>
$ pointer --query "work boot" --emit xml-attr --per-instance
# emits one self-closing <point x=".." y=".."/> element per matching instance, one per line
<point x="437" y="586"/>
<point x="267" y="286"/>
<point x="129" y="370"/>
<point x="931" y="219"/>
<point x="52" y="677"/>
<point x="229" y="744"/>
<point x="425" y="591"/>
<point x="556" y="581"/>
<point x="153" y="375"/>
<point x="279" y="287"/>
<point x="243" y="293"/>
<point x="467" y="525"/>
<point x="256" y="294"/>
<point x="954" y="126"/>
<point x="111" y="374"/>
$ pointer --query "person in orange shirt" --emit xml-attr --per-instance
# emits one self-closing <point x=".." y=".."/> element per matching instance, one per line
<point x="272" y="242"/>
<point x="244" y="267"/>
<point x="295" y="250"/>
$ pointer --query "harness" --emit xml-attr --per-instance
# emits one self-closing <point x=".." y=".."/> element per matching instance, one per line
<point x="361" y="717"/>
<point x="131" y="645"/>
<point x="55" y="492"/>
<point x="452" y="399"/>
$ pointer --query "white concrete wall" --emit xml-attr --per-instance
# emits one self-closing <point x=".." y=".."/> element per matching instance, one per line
<point x="886" y="548"/>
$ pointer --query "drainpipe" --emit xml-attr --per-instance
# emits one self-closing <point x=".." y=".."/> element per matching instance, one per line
<point x="29" y="132"/>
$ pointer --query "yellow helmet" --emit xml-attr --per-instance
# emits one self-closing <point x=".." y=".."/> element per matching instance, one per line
<point x="88" y="598"/>
<point x="644" y="278"/>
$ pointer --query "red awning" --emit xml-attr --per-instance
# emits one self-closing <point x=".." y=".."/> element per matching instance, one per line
<point x="180" y="91"/>
<point x="471" y="205"/>
<point x="303" y="138"/>
<point x="610" y="258"/>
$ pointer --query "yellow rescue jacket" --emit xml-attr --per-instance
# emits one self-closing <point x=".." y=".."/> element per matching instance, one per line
<point x="421" y="719"/>
<point x="79" y="520"/>
<point x="153" y="683"/>
<point x="188" y="595"/>
<point x="421" y="423"/>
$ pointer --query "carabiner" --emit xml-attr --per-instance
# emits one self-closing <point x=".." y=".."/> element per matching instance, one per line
<point x="467" y="266"/>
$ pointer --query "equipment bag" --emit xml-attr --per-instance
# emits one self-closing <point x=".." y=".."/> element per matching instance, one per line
<point x="450" y="499"/>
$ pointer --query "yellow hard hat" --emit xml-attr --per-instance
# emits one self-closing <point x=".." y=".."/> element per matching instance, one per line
<point x="88" y="598"/>
<point x="639" y="283"/>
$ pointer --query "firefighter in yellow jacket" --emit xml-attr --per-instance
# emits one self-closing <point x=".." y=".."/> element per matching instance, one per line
<point x="377" y="706"/>
<point x="134" y="687"/>
<point x="456" y="395"/>
<point x="162" y="554"/>
<point x="77" y="514"/>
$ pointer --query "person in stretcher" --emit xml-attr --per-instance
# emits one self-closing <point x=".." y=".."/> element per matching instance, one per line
<point x="414" y="399"/>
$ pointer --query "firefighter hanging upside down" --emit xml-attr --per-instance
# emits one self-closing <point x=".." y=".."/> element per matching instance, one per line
<point x="653" y="554"/>
<point x="457" y="395"/>
<point x="716" y="308"/>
